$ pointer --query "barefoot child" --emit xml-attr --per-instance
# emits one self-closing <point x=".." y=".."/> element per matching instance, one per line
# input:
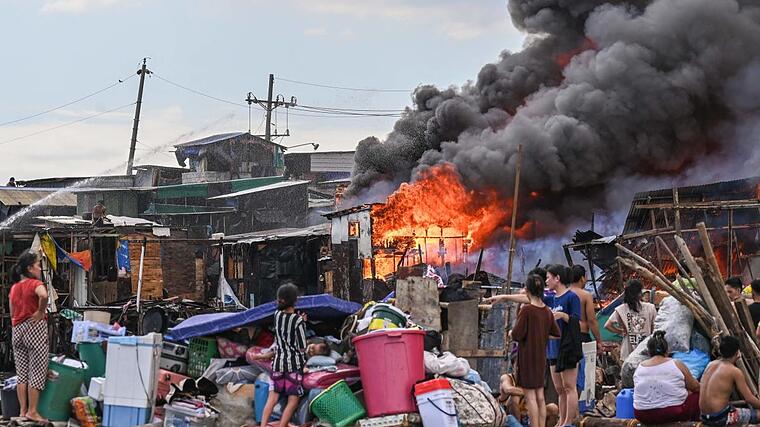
<point x="289" y="360"/>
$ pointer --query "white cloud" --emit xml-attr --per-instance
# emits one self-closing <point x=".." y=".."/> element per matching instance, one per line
<point x="78" y="6"/>
<point x="315" y="32"/>
<point x="101" y="145"/>
<point x="457" y="19"/>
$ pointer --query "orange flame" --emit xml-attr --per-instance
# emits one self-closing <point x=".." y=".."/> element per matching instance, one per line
<point x="440" y="207"/>
<point x="564" y="58"/>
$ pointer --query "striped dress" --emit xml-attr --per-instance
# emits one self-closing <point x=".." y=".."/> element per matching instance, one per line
<point x="290" y="336"/>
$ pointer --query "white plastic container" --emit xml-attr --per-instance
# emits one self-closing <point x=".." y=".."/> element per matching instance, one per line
<point x="181" y="417"/>
<point x="97" y="386"/>
<point x="132" y="365"/>
<point x="435" y="400"/>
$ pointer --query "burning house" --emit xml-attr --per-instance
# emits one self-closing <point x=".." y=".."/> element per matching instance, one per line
<point x="729" y="209"/>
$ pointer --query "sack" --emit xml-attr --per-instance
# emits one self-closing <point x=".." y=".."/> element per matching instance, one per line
<point x="476" y="407"/>
<point x="447" y="365"/>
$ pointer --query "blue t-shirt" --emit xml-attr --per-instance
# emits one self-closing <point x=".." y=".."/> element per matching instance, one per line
<point x="567" y="303"/>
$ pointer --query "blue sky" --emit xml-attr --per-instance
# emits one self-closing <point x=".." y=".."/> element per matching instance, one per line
<point x="55" y="51"/>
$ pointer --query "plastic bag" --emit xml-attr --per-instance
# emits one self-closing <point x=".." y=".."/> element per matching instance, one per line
<point x="695" y="360"/>
<point x="447" y="364"/>
<point x="678" y="321"/>
<point x="237" y="375"/>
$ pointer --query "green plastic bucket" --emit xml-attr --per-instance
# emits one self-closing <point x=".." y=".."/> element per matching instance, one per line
<point x="383" y="311"/>
<point x="63" y="384"/>
<point x="93" y="355"/>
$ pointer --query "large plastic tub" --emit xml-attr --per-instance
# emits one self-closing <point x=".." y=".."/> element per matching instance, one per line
<point x="64" y="383"/>
<point x="390" y="363"/>
<point x="93" y="355"/>
<point x="180" y="417"/>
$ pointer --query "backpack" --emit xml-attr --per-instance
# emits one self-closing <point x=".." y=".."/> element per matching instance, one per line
<point x="475" y="406"/>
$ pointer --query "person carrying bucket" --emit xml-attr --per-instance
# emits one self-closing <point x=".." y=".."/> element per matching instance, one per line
<point x="28" y="304"/>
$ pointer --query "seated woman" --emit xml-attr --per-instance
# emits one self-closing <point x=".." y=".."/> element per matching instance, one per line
<point x="663" y="388"/>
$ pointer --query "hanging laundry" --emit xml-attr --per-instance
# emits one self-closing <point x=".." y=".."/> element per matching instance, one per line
<point x="47" y="246"/>
<point x="84" y="258"/>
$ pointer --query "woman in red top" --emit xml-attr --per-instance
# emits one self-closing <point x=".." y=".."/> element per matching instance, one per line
<point x="28" y="303"/>
<point x="535" y="324"/>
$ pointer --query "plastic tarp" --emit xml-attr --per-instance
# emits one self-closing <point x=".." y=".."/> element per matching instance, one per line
<point x="317" y="307"/>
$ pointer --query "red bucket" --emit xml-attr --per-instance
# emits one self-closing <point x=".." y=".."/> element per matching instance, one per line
<point x="391" y="362"/>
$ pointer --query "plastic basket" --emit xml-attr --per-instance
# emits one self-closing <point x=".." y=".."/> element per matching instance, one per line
<point x="202" y="350"/>
<point x="338" y="406"/>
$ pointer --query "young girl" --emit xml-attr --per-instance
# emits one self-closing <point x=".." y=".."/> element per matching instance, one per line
<point x="534" y="325"/>
<point x="289" y="360"/>
<point x="564" y="304"/>
<point x="633" y="320"/>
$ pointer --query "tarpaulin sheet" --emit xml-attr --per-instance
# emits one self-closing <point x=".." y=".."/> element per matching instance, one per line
<point x="317" y="307"/>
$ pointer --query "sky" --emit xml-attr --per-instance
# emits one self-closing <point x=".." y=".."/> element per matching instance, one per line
<point x="59" y="51"/>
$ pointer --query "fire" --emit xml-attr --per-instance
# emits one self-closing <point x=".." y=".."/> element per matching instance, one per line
<point x="564" y="58"/>
<point x="437" y="208"/>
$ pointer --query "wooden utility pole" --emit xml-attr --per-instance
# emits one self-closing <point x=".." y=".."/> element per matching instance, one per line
<point x="142" y="72"/>
<point x="268" y="130"/>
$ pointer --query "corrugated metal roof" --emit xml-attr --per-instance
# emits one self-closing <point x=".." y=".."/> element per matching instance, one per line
<point x="281" y="233"/>
<point x="20" y="196"/>
<point x="332" y="162"/>
<point x="274" y="186"/>
<point x="213" y="139"/>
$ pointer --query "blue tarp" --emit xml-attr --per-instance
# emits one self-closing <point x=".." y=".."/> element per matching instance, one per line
<point x="317" y="307"/>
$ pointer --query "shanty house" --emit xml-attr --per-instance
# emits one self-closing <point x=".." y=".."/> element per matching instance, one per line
<point x="229" y="156"/>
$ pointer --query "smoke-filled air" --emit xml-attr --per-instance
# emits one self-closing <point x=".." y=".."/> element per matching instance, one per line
<point x="605" y="98"/>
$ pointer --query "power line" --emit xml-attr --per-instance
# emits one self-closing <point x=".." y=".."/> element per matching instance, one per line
<point x="197" y="92"/>
<point x="120" y="81"/>
<point x="324" y="111"/>
<point x="358" y="89"/>
<point x="67" y="124"/>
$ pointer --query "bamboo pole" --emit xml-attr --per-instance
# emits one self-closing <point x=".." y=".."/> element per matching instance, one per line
<point x="677" y="210"/>
<point x="704" y="319"/>
<point x="507" y="287"/>
<point x="678" y="293"/>
<point x="696" y="273"/>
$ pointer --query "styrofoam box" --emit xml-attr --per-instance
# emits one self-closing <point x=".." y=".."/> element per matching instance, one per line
<point x="97" y="388"/>
<point x="132" y="370"/>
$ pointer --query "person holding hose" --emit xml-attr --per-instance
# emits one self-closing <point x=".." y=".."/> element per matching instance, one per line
<point x="28" y="305"/>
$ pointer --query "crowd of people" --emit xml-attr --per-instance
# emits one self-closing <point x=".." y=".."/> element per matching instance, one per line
<point x="557" y="316"/>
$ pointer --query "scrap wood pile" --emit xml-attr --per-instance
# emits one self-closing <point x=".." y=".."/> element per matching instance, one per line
<point x="704" y="295"/>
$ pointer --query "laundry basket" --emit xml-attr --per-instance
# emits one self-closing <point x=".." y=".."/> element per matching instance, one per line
<point x="202" y="350"/>
<point x="338" y="406"/>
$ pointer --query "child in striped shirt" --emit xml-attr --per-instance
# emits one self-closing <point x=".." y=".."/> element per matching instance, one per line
<point x="289" y="359"/>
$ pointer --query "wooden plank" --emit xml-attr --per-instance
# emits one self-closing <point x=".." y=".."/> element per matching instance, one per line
<point x="463" y="327"/>
<point x="480" y="353"/>
<point x="418" y="296"/>
<point x="617" y="422"/>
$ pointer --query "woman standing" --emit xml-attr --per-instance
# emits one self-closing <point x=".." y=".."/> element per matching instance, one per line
<point x="566" y="307"/>
<point x="534" y="325"/>
<point x="633" y="320"/>
<point x="28" y="303"/>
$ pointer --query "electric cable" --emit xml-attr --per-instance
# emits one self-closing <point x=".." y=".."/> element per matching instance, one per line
<point x="67" y="124"/>
<point x="120" y="81"/>
<point x="358" y="89"/>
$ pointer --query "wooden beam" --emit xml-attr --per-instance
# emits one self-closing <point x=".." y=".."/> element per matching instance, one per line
<point x="719" y="204"/>
<point x="479" y="353"/>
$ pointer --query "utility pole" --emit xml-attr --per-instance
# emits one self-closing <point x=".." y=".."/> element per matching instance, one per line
<point x="142" y="72"/>
<point x="270" y="105"/>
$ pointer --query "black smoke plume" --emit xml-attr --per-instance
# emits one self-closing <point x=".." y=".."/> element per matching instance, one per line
<point x="605" y="97"/>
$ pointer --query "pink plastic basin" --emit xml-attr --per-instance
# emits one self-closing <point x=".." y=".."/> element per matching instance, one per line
<point x="390" y="363"/>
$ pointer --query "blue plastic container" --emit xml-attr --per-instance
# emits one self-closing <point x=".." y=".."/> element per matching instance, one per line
<point x="624" y="404"/>
<point x="260" y="396"/>
<point x="125" y="416"/>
